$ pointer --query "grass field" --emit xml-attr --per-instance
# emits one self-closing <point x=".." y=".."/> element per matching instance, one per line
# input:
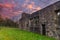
<point x="17" y="34"/>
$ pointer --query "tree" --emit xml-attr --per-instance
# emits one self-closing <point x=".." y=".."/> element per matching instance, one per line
<point x="10" y="23"/>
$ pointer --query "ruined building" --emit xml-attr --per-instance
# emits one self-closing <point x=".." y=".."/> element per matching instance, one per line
<point x="45" y="21"/>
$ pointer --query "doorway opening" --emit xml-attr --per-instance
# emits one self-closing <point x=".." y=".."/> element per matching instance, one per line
<point x="43" y="29"/>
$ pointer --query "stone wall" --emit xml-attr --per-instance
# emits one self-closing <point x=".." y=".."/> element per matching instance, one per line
<point x="43" y="21"/>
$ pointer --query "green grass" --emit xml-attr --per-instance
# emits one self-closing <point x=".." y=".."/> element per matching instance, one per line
<point x="17" y="34"/>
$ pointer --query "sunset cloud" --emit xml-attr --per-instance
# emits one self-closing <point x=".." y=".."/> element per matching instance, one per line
<point x="17" y="13"/>
<point x="31" y="7"/>
<point x="6" y="5"/>
<point x="11" y="8"/>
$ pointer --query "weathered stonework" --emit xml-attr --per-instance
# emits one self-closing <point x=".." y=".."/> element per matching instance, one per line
<point x="44" y="21"/>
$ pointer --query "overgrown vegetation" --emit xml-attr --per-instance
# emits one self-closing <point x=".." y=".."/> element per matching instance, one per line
<point x="17" y="34"/>
<point x="7" y="22"/>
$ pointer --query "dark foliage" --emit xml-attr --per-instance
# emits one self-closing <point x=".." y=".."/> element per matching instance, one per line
<point x="7" y="22"/>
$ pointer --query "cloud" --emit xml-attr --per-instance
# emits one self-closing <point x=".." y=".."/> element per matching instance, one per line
<point x="14" y="9"/>
<point x="6" y="5"/>
<point x="11" y="8"/>
<point x="17" y="13"/>
<point x="26" y="1"/>
<point x="1" y="8"/>
<point x="31" y="7"/>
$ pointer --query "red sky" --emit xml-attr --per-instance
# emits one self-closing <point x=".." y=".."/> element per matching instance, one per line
<point x="13" y="8"/>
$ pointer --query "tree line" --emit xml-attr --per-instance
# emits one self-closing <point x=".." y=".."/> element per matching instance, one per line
<point x="7" y="22"/>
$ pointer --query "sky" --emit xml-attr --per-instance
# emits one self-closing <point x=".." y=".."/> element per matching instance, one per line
<point x="14" y="8"/>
